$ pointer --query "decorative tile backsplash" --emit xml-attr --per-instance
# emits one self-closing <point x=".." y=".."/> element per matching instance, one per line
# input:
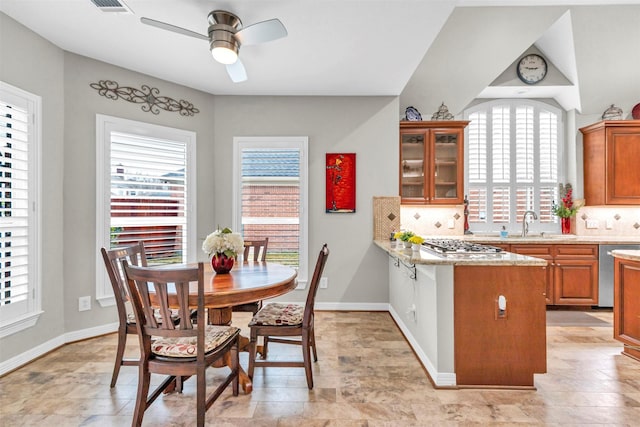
<point x="433" y="221"/>
<point x="608" y="221"/>
<point x="449" y="220"/>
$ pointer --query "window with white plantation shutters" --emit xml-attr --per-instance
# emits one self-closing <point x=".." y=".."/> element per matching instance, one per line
<point x="148" y="177"/>
<point x="19" y="209"/>
<point x="270" y="187"/>
<point x="521" y="172"/>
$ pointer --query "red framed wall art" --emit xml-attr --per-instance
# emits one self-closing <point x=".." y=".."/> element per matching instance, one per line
<point x="340" y="183"/>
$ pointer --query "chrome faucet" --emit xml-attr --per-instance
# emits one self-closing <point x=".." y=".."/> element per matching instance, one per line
<point x="525" y="224"/>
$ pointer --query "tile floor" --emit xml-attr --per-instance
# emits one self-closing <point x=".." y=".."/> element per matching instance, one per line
<point x="366" y="375"/>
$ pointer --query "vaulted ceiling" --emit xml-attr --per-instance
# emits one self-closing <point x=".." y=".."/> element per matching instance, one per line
<point x="458" y="50"/>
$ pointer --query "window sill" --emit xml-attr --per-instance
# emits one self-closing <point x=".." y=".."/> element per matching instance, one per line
<point x="19" y="324"/>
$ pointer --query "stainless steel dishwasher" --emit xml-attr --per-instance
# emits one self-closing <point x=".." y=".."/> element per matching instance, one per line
<point x="605" y="273"/>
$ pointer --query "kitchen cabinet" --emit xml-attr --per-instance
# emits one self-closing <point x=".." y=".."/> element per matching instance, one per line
<point x="431" y="162"/>
<point x="611" y="157"/>
<point x="572" y="276"/>
<point x="626" y="305"/>
<point x="546" y="253"/>
<point x="499" y="347"/>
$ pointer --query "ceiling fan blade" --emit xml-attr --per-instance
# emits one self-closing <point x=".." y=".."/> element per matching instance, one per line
<point x="173" y="28"/>
<point x="237" y="72"/>
<point x="261" y="32"/>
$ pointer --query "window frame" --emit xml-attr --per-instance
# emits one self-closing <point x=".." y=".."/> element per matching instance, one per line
<point x="104" y="126"/>
<point x="12" y="322"/>
<point x="552" y="226"/>
<point x="298" y="142"/>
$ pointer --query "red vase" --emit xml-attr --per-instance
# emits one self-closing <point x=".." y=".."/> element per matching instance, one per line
<point x="221" y="263"/>
<point x="566" y="225"/>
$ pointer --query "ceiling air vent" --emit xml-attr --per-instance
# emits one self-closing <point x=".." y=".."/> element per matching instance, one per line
<point x="111" y="6"/>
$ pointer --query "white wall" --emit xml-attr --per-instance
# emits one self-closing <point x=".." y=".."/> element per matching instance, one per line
<point x="35" y="65"/>
<point x="367" y="126"/>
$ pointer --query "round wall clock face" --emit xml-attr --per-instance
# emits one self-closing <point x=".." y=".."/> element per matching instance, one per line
<point x="532" y="68"/>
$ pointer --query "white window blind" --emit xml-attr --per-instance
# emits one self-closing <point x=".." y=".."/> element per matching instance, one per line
<point x="270" y="183"/>
<point x="19" y="205"/>
<point x="148" y="196"/>
<point x="145" y="189"/>
<point x="521" y="173"/>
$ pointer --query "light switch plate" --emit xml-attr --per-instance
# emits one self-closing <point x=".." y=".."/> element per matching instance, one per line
<point x="324" y="283"/>
<point x="592" y="223"/>
<point x="84" y="303"/>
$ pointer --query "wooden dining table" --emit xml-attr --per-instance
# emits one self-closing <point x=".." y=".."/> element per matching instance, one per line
<point x="246" y="282"/>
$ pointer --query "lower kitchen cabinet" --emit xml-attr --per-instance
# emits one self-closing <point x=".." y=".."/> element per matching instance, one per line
<point x="626" y="305"/>
<point x="453" y="319"/>
<point x="499" y="324"/>
<point x="572" y="278"/>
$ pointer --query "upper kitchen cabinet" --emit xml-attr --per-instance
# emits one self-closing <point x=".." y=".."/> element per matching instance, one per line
<point x="611" y="159"/>
<point x="431" y="162"/>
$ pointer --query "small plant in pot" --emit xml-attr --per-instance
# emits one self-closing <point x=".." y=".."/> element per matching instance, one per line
<point x="405" y="236"/>
<point x="416" y="241"/>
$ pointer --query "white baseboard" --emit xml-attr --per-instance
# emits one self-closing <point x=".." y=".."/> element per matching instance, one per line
<point x="52" y="344"/>
<point x="34" y="353"/>
<point x="440" y="379"/>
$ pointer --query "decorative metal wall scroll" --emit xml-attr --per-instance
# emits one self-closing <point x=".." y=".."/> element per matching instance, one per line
<point x="149" y="96"/>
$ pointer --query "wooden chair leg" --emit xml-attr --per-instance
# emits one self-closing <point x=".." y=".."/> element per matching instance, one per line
<point x="144" y="378"/>
<point x="313" y="345"/>
<point x="253" y="342"/>
<point x="235" y="367"/>
<point x="201" y="395"/>
<point x="265" y="344"/>
<point x="306" y="355"/>
<point x="122" y="341"/>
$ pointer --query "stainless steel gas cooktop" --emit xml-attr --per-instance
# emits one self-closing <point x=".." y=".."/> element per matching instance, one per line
<point x="458" y="247"/>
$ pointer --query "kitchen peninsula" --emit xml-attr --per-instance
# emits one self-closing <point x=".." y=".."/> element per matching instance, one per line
<point x="473" y="319"/>
<point x="626" y="305"/>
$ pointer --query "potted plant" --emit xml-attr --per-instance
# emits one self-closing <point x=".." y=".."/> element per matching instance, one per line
<point x="416" y="241"/>
<point x="566" y="208"/>
<point x="405" y="236"/>
<point x="223" y="247"/>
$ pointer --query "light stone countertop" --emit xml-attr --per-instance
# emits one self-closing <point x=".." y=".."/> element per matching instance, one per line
<point x="545" y="238"/>
<point x="631" y="255"/>
<point x="425" y="256"/>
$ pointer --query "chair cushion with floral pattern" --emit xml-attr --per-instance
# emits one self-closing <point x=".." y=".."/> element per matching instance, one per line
<point x="277" y="314"/>
<point x="187" y="346"/>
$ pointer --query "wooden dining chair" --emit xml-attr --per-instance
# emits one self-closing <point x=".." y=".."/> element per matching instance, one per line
<point x="277" y="322"/>
<point x="255" y="250"/>
<point x="113" y="259"/>
<point x="181" y="350"/>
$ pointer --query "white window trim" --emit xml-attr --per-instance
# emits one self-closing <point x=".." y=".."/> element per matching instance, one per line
<point x="12" y="324"/>
<point x="538" y="105"/>
<point x="301" y="143"/>
<point x="104" y="126"/>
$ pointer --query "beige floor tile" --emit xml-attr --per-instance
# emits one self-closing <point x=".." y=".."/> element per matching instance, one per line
<point x="367" y="375"/>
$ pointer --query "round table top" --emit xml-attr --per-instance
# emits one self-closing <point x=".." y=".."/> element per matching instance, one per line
<point x="246" y="282"/>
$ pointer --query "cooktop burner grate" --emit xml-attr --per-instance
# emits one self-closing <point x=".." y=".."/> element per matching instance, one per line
<point x="453" y="246"/>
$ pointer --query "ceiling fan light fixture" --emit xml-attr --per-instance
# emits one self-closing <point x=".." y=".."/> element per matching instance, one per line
<point x="224" y="55"/>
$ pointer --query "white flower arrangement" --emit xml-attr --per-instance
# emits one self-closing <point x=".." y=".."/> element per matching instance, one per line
<point x="223" y="241"/>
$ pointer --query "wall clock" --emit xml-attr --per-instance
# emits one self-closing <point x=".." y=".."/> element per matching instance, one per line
<point x="532" y="68"/>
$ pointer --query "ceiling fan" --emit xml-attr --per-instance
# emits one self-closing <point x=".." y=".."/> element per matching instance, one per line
<point x="226" y="35"/>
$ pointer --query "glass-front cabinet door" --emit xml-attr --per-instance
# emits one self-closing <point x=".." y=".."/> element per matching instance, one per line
<point x="445" y="162"/>
<point x="413" y="154"/>
<point x="431" y="162"/>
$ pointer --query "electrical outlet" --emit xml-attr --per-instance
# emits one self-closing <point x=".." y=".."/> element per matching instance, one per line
<point x="451" y="223"/>
<point x="592" y="223"/>
<point x="84" y="303"/>
<point x="324" y="282"/>
<point x="608" y="224"/>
